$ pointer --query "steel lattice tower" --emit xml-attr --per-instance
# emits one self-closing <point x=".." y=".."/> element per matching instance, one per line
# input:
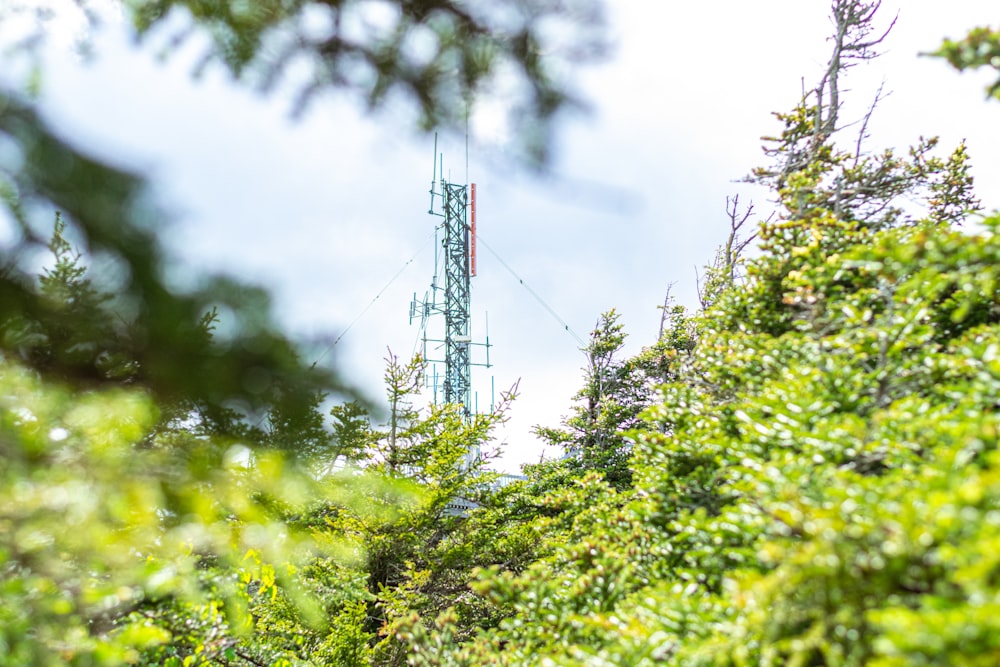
<point x="457" y="265"/>
<point x="457" y="302"/>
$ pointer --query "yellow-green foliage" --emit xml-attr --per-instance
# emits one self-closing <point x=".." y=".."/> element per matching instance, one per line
<point x="825" y="494"/>
<point x="819" y="483"/>
<point x="101" y="527"/>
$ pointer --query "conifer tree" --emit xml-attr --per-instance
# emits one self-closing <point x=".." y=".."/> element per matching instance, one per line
<point x="815" y="485"/>
<point x="614" y="394"/>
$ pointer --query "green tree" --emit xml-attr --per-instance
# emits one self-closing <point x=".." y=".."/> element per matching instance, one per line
<point x="74" y="332"/>
<point x="412" y="526"/>
<point x="817" y="485"/>
<point x="148" y="515"/>
<point x="419" y="563"/>
<point x="444" y="56"/>
<point x="254" y="368"/>
<point x="107" y="535"/>
<point x="609" y="404"/>
<point x="811" y="173"/>
<point x="166" y="505"/>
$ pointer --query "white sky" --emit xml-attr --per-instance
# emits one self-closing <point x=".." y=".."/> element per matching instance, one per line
<point x="325" y="211"/>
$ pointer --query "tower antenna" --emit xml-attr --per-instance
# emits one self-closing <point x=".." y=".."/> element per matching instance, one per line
<point x="452" y="203"/>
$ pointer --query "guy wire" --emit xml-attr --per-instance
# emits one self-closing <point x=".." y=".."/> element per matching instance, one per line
<point x="533" y="293"/>
<point x="372" y="302"/>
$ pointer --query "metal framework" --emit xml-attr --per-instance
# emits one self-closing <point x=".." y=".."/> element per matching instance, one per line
<point x="457" y="253"/>
<point x="457" y="302"/>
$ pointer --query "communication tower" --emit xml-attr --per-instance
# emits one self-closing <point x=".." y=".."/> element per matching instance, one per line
<point x="450" y="292"/>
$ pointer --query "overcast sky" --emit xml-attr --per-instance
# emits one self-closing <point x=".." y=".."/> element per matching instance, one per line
<point x="325" y="211"/>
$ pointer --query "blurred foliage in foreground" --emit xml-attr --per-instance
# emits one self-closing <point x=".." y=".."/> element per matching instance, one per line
<point x="143" y="330"/>
<point x="442" y="56"/>
<point x="105" y="518"/>
<point x="980" y="48"/>
<point x="439" y="62"/>
<point x="152" y="531"/>
<point x="173" y="494"/>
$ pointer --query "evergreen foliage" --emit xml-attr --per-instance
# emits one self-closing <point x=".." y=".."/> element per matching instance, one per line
<point x="980" y="48"/>
<point x="613" y="395"/>
<point x="439" y="55"/>
<point x="804" y="471"/>
<point x="814" y="485"/>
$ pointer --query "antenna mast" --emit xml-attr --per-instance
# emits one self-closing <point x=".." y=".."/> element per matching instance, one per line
<point x="452" y="203"/>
